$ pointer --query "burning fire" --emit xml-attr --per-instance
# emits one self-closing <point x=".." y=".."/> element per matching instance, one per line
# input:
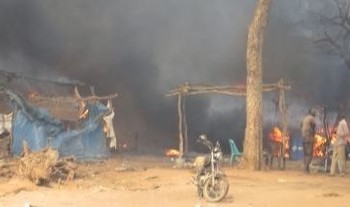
<point x="319" y="146"/>
<point x="276" y="135"/>
<point x="320" y="142"/>
<point x="173" y="153"/>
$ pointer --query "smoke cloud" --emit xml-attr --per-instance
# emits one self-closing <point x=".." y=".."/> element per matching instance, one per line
<point x="144" y="48"/>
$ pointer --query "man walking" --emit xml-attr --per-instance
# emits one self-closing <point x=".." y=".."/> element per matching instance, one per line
<point x="338" y="157"/>
<point x="308" y="131"/>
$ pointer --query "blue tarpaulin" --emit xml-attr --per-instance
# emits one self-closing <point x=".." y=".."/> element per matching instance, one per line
<point x="297" y="148"/>
<point x="40" y="130"/>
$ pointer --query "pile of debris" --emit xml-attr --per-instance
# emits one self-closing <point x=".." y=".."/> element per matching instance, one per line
<point x="7" y="169"/>
<point x="44" y="166"/>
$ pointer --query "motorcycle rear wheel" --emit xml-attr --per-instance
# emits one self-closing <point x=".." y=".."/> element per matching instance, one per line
<point x="215" y="192"/>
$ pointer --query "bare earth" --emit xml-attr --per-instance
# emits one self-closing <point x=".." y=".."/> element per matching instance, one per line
<point x="152" y="181"/>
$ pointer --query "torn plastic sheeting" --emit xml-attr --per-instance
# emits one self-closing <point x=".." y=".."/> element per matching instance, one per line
<point x="40" y="130"/>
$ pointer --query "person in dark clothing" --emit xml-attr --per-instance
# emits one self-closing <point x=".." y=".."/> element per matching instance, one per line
<point x="308" y="131"/>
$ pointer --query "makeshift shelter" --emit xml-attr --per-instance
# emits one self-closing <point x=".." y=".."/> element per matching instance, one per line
<point x="36" y="126"/>
<point x="240" y="90"/>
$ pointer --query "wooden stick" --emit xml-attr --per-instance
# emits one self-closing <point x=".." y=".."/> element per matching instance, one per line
<point x="239" y="90"/>
<point x="72" y="99"/>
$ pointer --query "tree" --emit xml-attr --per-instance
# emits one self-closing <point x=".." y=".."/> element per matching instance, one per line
<point x="253" y="132"/>
<point x="333" y="27"/>
<point x="335" y="32"/>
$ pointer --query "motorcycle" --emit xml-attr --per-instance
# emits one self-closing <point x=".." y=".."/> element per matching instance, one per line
<point x="210" y="180"/>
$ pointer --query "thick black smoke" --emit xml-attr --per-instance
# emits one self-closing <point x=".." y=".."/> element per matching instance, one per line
<point x="144" y="48"/>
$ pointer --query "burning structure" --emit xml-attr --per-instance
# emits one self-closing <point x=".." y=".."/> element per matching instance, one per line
<point x="74" y="126"/>
<point x="322" y="151"/>
<point x="277" y="139"/>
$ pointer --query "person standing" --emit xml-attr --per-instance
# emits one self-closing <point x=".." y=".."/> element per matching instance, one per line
<point x="308" y="131"/>
<point x="338" y="157"/>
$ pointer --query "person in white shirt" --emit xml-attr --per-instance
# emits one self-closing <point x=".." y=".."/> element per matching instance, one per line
<point x="338" y="157"/>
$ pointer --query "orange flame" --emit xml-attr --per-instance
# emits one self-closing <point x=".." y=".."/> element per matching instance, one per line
<point x="276" y="135"/>
<point x="320" y="142"/>
<point x="319" y="145"/>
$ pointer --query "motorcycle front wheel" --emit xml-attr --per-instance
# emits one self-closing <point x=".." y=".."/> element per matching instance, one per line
<point x="215" y="190"/>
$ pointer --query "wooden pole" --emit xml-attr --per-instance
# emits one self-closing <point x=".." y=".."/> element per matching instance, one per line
<point x="185" y="129"/>
<point x="283" y="115"/>
<point x="181" y="139"/>
<point x="92" y="90"/>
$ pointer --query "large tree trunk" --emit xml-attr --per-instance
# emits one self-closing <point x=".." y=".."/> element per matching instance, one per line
<point x="253" y="132"/>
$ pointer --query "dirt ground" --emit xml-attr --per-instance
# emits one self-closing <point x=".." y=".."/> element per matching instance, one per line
<point x="130" y="180"/>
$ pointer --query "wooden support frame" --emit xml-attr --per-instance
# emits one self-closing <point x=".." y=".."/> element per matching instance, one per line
<point x="68" y="107"/>
<point x="239" y="90"/>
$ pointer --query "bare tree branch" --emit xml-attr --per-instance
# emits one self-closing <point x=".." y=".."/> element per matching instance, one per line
<point x="336" y="31"/>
